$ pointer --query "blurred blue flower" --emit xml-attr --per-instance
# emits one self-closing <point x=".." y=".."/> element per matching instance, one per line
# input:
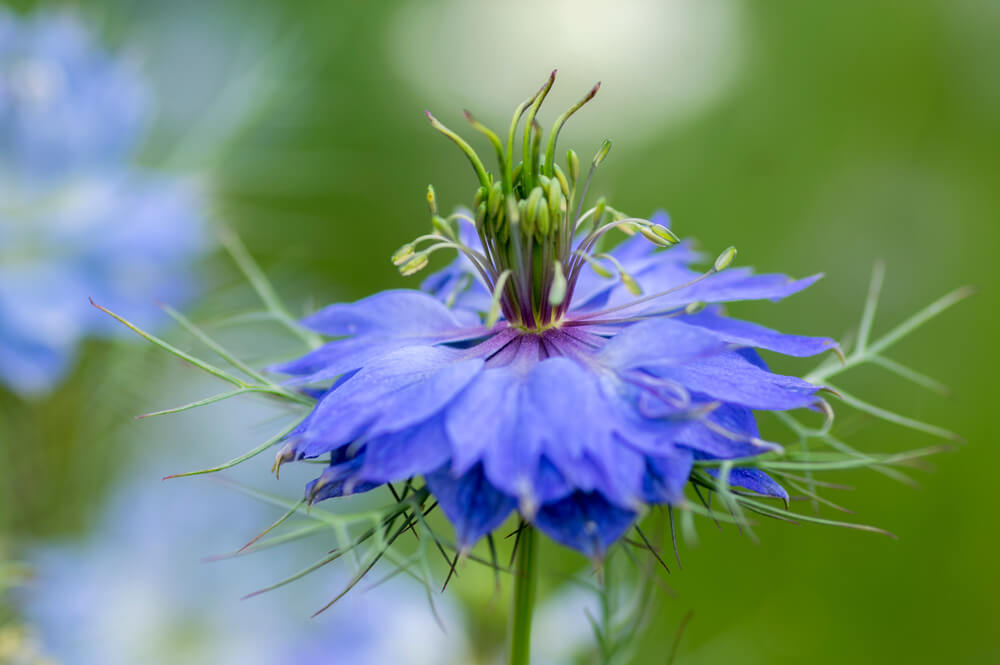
<point x="65" y="104"/>
<point x="136" y="590"/>
<point x="77" y="219"/>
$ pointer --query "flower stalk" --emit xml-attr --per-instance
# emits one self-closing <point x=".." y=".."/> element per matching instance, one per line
<point x="525" y="582"/>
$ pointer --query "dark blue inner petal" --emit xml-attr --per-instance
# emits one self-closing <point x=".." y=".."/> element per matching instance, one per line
<point x="472" y="505"/>
<point x="587" y="522"/>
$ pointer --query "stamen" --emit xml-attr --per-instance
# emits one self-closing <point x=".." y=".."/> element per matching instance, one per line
<point x="627" y="279"/>
<point x="724" y="260"/>
<point x="595" y="266"/>
<point x="403" y="254"/>
<point x="573" y="162"/>
<point x="414" y="264"/>
<point x="694" y="307"/>
<point x="598" y="158"/>
<point x="444" y="228"/>
<point x="461" y="284"/>
<point x="494" y="312"/>
<point x="659" y="235"/>
<point x="557" y="293"/>
<point x="432" y="200"/>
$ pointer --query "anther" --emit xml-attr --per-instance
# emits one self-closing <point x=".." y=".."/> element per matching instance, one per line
<point x="725" y="259"/>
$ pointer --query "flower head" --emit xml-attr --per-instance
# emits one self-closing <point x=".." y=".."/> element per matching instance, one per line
<point x="539" y="373"/>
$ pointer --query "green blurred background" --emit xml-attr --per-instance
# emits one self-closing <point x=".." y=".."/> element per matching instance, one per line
<point x="815" y="137"/>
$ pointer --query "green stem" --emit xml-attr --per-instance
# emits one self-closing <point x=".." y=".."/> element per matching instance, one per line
<point x="525" y="581"/>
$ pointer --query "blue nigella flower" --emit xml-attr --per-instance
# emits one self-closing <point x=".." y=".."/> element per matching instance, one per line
<point x="524" y="379"/>
<point x="65" y="104"/>
<point x="77" y="220"/>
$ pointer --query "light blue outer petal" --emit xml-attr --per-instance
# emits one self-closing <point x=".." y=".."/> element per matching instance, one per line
<point x="345" y="355"/>
<point x="395" y="392"/>
<point x="485" y="417"/>
<point x="730" y="377"/>
<point x="733" y="284"/>
<point x="640" y="259"/>
<point x="658" y="342"/>
<point x="396" y="313"/>
<point x="407" y="453"/>
<point x="708" y="443"/>
<point x="745" y="333"/>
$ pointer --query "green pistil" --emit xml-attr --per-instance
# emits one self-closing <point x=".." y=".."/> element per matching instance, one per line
<point x="526" y="221"/>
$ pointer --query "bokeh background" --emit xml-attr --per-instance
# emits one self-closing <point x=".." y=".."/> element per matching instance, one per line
<point x="815" y="137"/>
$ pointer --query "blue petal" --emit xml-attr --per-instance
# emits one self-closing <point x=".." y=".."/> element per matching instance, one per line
<point x="513" y="419"/>
<point x="658" y="342"/>
<point x="565" y="415"/>
<point x="460" y="285"/>
<point x="472" y="505"/>
<point x="339" y="479"/>
<point x="411" y="452"/>
<point x="735" y="331"/>
<point x="460" y="282"/>
<point x="733" y="284"/>
<point x="712" y="444"/>
<point x="754" y="480"/>
<point x="666" y="476"/>
<point x="336" y="358"/>
<point x="740" y="284"/>
<point x="345" y="355"/>
<point x="731" y="378"/>
<point x="395" y="313"/>
<point x="393" y="393"/>
<point x="483" y="417"/>
<point x="587" y="522"/>
<point x="639" y="258"/>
